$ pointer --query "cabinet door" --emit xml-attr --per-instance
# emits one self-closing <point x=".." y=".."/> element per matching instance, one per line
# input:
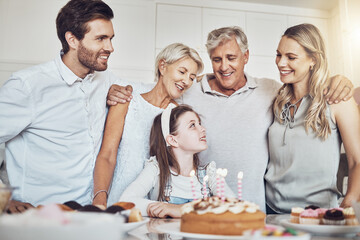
<point x="320" y="23"/>
<point x="262" y="67"/>
<point x="134" y="39"/>
<point x="264" y="32"/>
<point x="217" y="18"/>
<point x="26" y="35"/>
<point x="178" y="24"/>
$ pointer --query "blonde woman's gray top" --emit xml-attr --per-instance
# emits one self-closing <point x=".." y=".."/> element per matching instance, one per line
<point x="303" y="167"/>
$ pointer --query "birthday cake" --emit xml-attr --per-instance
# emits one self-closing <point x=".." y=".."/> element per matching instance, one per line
<point x="221" y="217"/>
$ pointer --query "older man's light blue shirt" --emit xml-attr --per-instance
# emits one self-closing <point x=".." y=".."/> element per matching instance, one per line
<point x="52" y="122"/>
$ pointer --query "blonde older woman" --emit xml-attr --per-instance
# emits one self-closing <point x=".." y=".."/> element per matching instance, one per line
<point x="125" y="144"/>
<point x="304" y="140"/>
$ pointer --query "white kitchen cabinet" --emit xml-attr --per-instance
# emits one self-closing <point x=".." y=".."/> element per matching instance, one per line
<point x="134" y="41"/>
<point x="217" y="18"/>
<point x="178" y="24"/>
<point x="28" y="36"/>
<point x="262" y="67"/>
<point x="264" y="32"/>
<point x="320" y="23"/>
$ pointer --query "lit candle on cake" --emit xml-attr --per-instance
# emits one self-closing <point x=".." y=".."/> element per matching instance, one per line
<point x="218" y="173"/>
<point x="204" y="186"/>
<point x="192" y="174"/>
<point x="223" y="175"/>
<point x="240" y="177"/>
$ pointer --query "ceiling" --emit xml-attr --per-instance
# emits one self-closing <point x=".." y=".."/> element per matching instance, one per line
<point x="316" y="4"/>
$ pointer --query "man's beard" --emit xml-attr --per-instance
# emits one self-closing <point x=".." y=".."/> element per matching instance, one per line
<point x="89" y="59"/>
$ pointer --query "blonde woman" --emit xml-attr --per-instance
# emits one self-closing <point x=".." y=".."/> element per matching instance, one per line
<point x="125" y="145"/>
<point x="304" y="140"/>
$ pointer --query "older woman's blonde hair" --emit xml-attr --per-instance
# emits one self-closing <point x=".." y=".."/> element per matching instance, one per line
<point x="309" y="37"/>
<point x="174" y="52"/>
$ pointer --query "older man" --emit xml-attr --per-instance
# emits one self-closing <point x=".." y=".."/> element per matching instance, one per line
<point x="236" y="111"/>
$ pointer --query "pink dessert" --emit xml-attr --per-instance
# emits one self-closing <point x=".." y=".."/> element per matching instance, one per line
<point x="309" y="216"/>
<point x="321" y="212"/>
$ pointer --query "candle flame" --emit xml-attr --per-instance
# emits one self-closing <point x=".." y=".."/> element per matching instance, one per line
<point x="218" y="171"/>
<point x="240" y="175"/>
<point x="224" y="172"/>
<point x="192" y="173"/>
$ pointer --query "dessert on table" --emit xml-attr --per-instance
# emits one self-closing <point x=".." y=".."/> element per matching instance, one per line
<point x="314" y="215"/>
<point x="214" y="215"/>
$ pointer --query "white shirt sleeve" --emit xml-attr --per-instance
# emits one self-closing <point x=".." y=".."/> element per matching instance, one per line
<point x="138" y="190"/>
<point x="16" y="108"/>
<point x="211" y="172"/>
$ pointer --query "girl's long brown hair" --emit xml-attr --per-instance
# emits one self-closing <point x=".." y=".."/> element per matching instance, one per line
<point x="164" y="155"/>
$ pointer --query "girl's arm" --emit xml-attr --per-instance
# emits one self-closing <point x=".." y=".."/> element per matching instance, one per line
<point x="348" y="120"/>
<point x="164" y="209"/>
<point x="106" y="159"/>
<point x="138" y="190"/>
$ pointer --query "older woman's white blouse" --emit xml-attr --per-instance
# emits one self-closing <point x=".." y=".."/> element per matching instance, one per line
<point x="134" y="145"/>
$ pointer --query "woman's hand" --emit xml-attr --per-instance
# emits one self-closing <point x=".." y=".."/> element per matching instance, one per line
<point x="163" y="210"/>
<point x="100" y="199"/>
<point x="348" y="200"/>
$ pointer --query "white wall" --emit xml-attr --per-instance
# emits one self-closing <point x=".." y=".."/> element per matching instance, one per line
<point x="143" y="27"/>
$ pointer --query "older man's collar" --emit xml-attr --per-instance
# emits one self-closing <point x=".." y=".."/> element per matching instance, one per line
<point x="67" y="75"/>
<point x="205" y="82"/>
<point x="250" y="81"/>
<point x="250" y="84"/>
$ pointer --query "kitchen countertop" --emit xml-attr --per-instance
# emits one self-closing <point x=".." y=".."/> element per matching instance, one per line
<point x="150" y="231"/>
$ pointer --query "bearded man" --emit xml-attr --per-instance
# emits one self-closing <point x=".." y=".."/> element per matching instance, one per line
<point x="52" y="115"/>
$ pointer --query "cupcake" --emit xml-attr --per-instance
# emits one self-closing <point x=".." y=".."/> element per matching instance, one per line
<point x="334" y="217"/>
<point x="309" y="216"/>
<point x="295" y="214"/>
<point x="321" y="212"/>
<point x="349" y="215"/>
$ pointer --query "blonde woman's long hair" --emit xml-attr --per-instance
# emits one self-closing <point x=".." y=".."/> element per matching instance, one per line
<point x="309" y="37"/>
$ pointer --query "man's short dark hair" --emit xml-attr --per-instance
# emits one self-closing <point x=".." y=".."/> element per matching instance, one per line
<point x="75" y="15"/>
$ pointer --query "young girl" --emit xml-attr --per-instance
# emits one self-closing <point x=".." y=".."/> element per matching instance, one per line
<point x="175" y="139"/>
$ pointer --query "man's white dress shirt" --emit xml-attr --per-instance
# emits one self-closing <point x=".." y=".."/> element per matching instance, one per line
<point x="52" y="123"/>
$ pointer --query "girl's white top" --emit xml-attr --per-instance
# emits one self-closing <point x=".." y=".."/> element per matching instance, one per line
<point x="145" y="189"/>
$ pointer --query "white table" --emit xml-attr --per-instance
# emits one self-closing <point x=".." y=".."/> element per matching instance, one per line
<point x="150" y="232"/>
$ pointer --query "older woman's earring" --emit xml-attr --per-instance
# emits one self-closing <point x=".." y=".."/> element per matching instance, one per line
<point x="311" y="67"/>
